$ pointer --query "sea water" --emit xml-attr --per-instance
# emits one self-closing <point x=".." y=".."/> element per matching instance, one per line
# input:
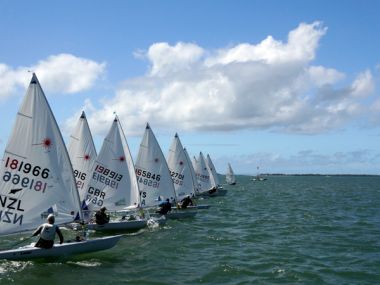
<point x="285" y="230"/>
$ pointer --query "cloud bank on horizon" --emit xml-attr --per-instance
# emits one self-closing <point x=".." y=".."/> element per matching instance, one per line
<point x="269" y="85"/>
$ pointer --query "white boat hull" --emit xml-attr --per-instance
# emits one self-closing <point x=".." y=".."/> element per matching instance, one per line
<point x="61" y="250"/>
<point x="124" y="225"/>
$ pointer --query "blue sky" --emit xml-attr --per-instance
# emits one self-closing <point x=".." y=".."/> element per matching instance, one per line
<point x="289" y="86"/>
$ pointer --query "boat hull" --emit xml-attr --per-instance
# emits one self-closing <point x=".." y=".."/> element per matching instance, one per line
<point x="199" y="207"/>
<point x="181" y="214"/>
<point x="61" y="250"/>
<point x="124" y="225"/>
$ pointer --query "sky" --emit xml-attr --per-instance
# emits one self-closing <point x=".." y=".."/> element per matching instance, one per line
<point x="270" y="86"/>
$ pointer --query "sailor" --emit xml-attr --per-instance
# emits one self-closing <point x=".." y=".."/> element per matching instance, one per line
<point x="186" y="202"/>
<point x="165" y="207"/>
<point x="47" y="233"/>
<point x="101" y="217"/>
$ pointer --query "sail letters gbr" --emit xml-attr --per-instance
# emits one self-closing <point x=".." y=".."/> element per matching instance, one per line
<point x="106" y="177"/>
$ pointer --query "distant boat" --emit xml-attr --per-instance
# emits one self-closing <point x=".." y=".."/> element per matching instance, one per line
<point x="215" y="177"/>
<point x="38" y="179"/>
<point x="182" y="172"/>
<point x="258" y="177"/>
<point x="230" y="176"/>
<point x="207" y="185"/>
<point x="213" y="174"/>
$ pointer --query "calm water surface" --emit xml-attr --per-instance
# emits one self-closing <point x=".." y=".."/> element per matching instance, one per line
<point x="286" y="230"/>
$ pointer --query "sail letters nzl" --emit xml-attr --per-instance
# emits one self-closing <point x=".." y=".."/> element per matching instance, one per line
<point x="9" y="211"/>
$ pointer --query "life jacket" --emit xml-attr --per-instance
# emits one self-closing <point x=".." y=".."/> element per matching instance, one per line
<point x="48" y="231"/>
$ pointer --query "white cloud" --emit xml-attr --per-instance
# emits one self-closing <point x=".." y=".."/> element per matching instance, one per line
<point x="271" y="85"/>
<point x="321" y="76"/>
<point x="301" y="46"/>
<point x="166" y="58"/>
<point x="63" y="73"/>
<point x="363" y="85"/>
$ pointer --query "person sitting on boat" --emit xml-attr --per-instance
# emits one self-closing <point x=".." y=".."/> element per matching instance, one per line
<point x="165" y="207"/>
<point x="101" y="217"/>
<point x="212" y="190"/>
<point x="47" y="233"/>
<point x="186" y="202"/>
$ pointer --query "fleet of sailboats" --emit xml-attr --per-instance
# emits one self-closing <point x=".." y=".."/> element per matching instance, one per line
<point x="38" y="179"/>
<point x="42" y="177"/>
<point x="155" y="178"/>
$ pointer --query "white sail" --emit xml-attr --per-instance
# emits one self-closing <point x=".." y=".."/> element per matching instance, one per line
<point x="180" y="170"/>
<point x="133" y="194"/>
<point x="230" y="176"/>
<point x="203" y="175"/>
<point x="113" y="181"/>
<point x="193" y="176"/>
<point x="152" y="172"/>
<point x="37" y="176"/>
<point x="213" y="173"/>
<point x="82" y="153"/>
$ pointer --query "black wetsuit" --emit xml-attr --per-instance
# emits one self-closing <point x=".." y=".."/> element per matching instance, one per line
<point x="165" y="208"/>
<point x="101" y="218"/>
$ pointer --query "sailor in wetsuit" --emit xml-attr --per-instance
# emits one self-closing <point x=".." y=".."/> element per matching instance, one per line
<point x="186" y="202"/>
<point x="47" y="233"/>
<point x="101" y="217"/>
<point x="165" y="207"/>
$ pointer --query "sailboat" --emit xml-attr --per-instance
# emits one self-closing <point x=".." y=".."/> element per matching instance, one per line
<point x="113" y="183"/>
<point x="230" y="176"/>
<point x="195" y="181"/>
<point x="179" y="170"/>
<point x="154" y="177"/>
<point x="192" y="172"/>
<point x="82" y="154"/>
<point x="207" y="185"/>
<point x="258" y="177"/>
<point x="215" y="177"/>
<point x="38" y="179"/>
<point x="212" y="170"/>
